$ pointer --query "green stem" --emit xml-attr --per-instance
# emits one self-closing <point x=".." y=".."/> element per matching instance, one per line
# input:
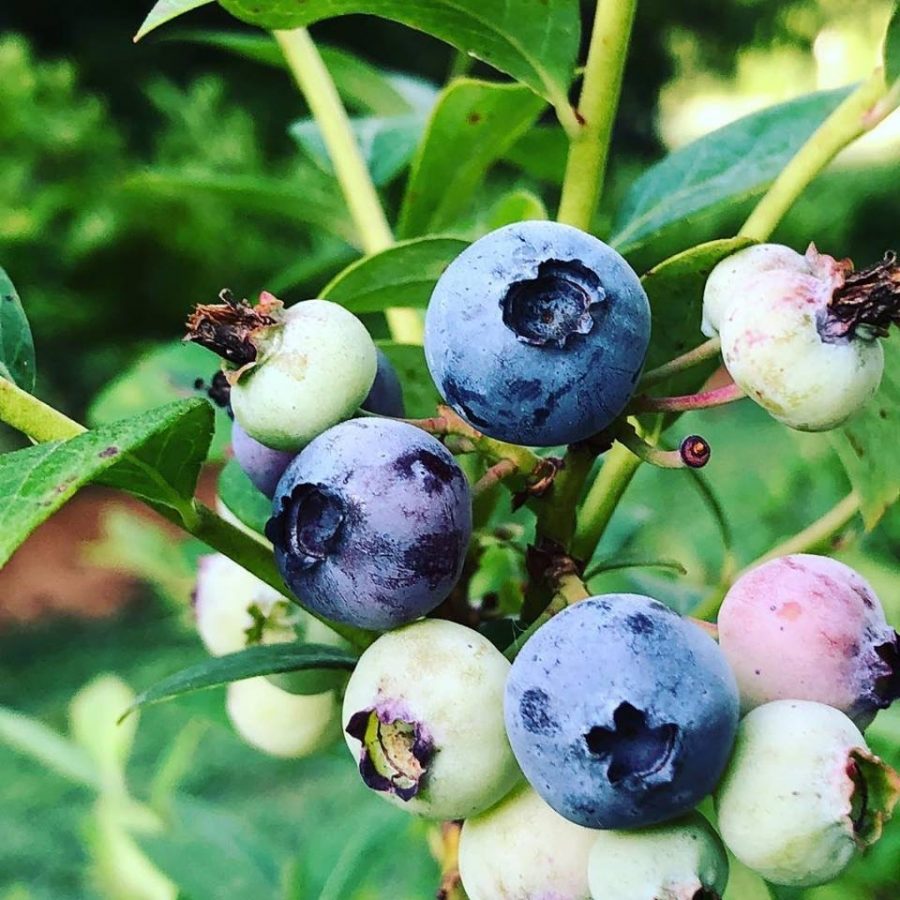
<point x="556" y="510"/>
<point x="589" y="146"/>
<point x="353" y="176"/>
<point x="859" y="113"/>
<point x="619" y="467"/>
<point x="42" y="423"/>
<point x="707" y="350"/>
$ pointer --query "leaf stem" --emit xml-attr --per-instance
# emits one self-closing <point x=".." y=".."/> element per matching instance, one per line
<point x="317" y="86"/>
<point x="589" y="146"/>
<point x="619" y="467"/>
<point x="859" y="113"/>
<point x="43" y="423"/>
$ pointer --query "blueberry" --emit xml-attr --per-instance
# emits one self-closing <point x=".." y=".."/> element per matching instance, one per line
<point x="807" y="627"/>
<point x="621" y="713"/>
<point x="280" y="723"/>
<point x="681" y="860"/>
<point x="770" y="306"/>
<point x="371" y="523"/>
<point x="537" y="334"/>
<point x="386" y="396"/>
<point x="313" y="368"/>
<point x="423" y="718"/>
<point x="802" y="793"/>
<point x="261" y="464"/>
<point x="522" y="848"/>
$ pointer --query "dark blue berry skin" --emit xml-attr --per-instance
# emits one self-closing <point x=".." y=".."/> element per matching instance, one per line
<point x="261" y="464"/>
<point x="386" y="396"/>
<point x="537" y="333"/>
<point x="621" y="713"/>
<point x="371" y="523"/>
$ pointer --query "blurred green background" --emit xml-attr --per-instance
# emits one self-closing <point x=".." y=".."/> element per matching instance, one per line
<point x="136" y="181"/>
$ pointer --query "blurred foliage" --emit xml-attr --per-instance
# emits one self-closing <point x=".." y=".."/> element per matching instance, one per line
<point x="126" y="195"/>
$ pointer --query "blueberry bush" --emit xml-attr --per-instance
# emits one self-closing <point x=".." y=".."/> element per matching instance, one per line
<point x="459" y="520"/>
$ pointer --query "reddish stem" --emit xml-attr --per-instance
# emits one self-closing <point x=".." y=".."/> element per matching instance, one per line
<point x="704" y="400"/>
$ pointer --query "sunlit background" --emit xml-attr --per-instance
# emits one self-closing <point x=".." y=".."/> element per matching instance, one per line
<point x="138" y="180"/>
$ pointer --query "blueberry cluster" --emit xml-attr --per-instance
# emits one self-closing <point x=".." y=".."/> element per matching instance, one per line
<point x="577" y="767"/>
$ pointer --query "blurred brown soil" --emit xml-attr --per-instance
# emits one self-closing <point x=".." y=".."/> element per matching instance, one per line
<point x="48" y="575"/>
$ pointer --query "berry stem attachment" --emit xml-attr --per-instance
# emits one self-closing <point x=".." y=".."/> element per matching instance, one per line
<point x="693" y="452"/>
<point x="570" y="589"/>
<point x="589" y="141"/>
<point x="493" y="476"/>
<point x="317" y="86"/>
<point x="704" y="400"/>
<point x="865" y="108"/>
<point x="42" y="423"/>
<point x="707" y="350"/>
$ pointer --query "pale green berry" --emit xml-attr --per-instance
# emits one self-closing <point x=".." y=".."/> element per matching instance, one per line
<point x="522" y="848"/>
<point x="802" y="793"/>
<point x="280" y="723"/>
<point x="680" y="860"/>
<point x="314" y="368"/>
<point x="423" y="718"/>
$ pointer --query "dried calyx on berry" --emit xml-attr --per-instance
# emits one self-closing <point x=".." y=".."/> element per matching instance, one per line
<point x="293" y="372"/>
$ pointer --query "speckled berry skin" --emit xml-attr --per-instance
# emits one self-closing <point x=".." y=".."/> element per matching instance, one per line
<point x="621" y="713"/>
<point x="802" y="793"/>
<point x="445" y="683"/>
<point x="769" y="306"/>
<point x="386" y="396"/>
<point x="261" y="464"/>
<point x="681" y="860"/>
<point x="313" y="370"/>
<point x="537" y="333"/>
<point x="371" y="523"/>
<point x="807" y="627"/>
<point x="522" y="848"/>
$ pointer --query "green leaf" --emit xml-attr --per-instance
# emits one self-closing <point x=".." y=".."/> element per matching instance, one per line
<point x="48" y="747"/>
<point x="387" y="144"/>
<point x="541" y="152"/>
<point x="16" y="345"/>
<point x="403" y="275"/>
<point x="519" y="205"/>
<point x="167" y="372"/>
<point x="259" y="660"/>
<point x="165" y="465"/>
<point x="420" y="396"/>
<point x="675" y="288"/>
<point x="731" y="164"/>
<point x="307" y="198"/>
<point x="534" y="41"/>
<point x="210" y="853"/>
<point x="37" y="481"/>
<point x="362" y="86"/>
<point x="867" y="444"/>
<point x="473" y="124"/>
<point x="892" y="48"/>
<point x="242" y="498"/>
<point x="164" y="11"/>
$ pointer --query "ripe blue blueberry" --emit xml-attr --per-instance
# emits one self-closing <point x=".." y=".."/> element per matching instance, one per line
<point x="621" y="713"/>
<point x="537" y="333"/>
<point x="261" y="464"/>
<point x="371" y="523"/>
<point x="386" y="396"/>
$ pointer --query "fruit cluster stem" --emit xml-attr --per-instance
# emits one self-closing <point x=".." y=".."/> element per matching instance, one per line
<point x="868" y="105"/>
<point x="703" y="400"/>
<point x="42" y="423"/>
<point x="707" y="350"/>
<point x="597" y="106"/>
<point x="317" y="86"/>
